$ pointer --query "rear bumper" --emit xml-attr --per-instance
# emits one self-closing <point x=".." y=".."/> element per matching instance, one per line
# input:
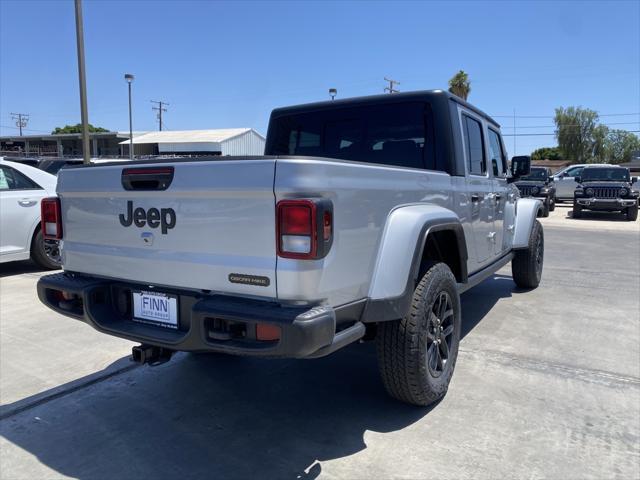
<point x="606" y="203"/>
<point x="206" y="323"/>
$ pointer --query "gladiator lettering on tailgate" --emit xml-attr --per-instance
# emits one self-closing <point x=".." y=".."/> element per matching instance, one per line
<point x="165" y="218"/>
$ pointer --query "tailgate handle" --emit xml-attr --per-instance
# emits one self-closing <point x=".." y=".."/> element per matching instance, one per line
<point x="154" y="178"/>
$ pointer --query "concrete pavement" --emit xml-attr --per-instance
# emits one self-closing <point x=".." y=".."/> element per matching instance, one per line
<point x="547" y="385"/>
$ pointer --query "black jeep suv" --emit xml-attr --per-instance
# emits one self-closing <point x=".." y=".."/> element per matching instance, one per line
<point x="607" y="189"/>
<point x="539" y="184"/>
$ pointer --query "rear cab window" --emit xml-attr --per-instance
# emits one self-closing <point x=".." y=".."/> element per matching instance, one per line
<point x="394" y="134"/>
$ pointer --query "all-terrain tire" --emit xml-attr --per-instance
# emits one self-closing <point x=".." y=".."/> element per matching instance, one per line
<point x="632" y="213"/>
<point x="408" y="349"/>
<point x="38" y="254"/>
<point x="577" y="211"/>
<point x="526" y="266"/>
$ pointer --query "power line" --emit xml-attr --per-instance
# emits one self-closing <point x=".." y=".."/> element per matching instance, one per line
<point x="25" y="129"/>
<point x="390" y="88"/>
<point x="21" y="120"/>
<point x="544" y="134"/>
<point x="567" y="126"/>
<point x="159" y="109"/>
<point x="552" y="116"/>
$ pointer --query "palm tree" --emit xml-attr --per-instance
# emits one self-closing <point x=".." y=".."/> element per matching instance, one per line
<point x="460" y="85"/>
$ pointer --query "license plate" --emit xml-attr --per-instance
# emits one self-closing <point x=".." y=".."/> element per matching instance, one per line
<point x="157" y="308"/>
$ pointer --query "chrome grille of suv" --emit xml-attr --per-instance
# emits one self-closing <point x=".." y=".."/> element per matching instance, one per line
<point x="605" y="192"/>
<point x="525" y="190"/>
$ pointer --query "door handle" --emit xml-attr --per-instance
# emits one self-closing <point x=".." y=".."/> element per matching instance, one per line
<point x="26" y="202"/>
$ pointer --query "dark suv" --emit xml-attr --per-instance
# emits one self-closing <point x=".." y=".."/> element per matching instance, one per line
<point x="539" y="184"/>
<point x="608" y="189"/>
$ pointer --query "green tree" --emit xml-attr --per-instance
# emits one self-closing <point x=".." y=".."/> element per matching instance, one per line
<point x="77" y="128"/>
<point x="576" y="133"/>
<point x="619" y="146"/>
<point x="547" y="153"/>
<point x="460" y="84"/>
<point x="600" y="154"/>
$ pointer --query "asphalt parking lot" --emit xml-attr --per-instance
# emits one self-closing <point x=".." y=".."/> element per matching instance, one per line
<point x="547" y="385"/>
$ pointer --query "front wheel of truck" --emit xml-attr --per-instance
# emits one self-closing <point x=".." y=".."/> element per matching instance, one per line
<point x="526" y="266"/>
<point x="417" y="354"/>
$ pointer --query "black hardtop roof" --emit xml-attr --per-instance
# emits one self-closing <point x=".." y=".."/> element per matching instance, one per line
<point x="420" y="95"/>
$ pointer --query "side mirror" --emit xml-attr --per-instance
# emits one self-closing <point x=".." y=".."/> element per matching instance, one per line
<point x="634" y="179"/>
<point x="577" y="179"/>
<point x="520" y="166"/>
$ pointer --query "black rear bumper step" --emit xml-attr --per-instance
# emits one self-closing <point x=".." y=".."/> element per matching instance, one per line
<point x="304" y="332"/>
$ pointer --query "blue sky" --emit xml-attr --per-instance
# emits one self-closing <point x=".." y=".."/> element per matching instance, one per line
<point x="227" y="64"/>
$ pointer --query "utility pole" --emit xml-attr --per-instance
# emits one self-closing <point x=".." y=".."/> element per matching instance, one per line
<point x="390" y="88"/>
<point x="159" y="109"/>
<point x="21" y="120"/>
<point x="86" y="153"/>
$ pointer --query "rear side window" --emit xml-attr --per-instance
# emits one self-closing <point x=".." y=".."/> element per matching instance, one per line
<point x="398" y="134"/>
<point x="11" y="179"/>
<point x="474" y="142"/>
<point x="498" y="158"/>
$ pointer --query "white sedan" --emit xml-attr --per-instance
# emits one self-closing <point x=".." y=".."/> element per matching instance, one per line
<point x="21" y="189"/>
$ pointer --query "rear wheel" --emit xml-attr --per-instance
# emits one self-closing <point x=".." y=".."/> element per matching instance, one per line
<point x="45" y="253"/>
<point x="417" y="354"/>
<point x="526" y="266"/>
<point x="632" y="213"/>
<point x="577" y="210"/>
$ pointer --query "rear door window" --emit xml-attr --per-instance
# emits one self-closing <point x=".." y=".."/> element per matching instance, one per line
<point x="474" y="143"/>
<point x="496" y="154"/>
<point x="398" y="134"/>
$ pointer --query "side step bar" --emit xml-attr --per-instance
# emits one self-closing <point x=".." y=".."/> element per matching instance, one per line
<point x="485" y="273"/>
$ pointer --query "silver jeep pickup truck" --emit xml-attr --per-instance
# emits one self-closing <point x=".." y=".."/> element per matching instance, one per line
<point x="365" y="220"/>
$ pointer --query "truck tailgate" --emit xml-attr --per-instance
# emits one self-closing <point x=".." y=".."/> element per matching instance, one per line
<point x="213" y="228"/>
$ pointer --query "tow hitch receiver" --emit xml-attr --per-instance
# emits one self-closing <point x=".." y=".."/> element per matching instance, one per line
<point x="152" y="355"/>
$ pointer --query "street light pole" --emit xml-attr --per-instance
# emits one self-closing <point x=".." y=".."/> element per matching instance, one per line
<point x="86" y="154"/>
<point x="129" y="78"/>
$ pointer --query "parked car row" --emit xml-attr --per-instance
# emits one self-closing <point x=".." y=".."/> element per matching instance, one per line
<point x="599" y="187"/>
<point x="22" y="187"/>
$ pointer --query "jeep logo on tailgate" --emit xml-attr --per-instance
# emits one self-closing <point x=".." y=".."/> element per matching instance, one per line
<point x="165" y="218"/>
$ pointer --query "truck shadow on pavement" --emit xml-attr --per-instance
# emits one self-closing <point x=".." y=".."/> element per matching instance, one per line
<point x="219" y="416"/>
<point x="18" y="268"/>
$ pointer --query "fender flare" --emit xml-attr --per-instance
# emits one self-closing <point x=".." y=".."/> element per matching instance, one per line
<point x="527" y="210"/>
<point x="399" y="256"/>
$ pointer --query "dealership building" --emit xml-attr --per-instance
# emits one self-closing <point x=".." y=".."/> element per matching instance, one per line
<point x="64" y="144"/>
<point x="226" y="141"/>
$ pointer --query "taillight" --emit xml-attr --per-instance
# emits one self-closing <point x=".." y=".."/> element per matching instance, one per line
<point x="51" y="218"/>
<point x="304" y="228"/>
